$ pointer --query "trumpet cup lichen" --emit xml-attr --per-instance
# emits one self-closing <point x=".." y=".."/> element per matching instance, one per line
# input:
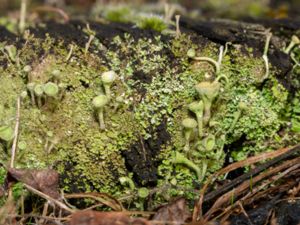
<point x="99" y="102"/>
<point x="188" y="125"/>
<point x="51" y="89"/>
<point x="107" y="79"/>
<point x="156" y="81"/>
<point x="208" y="91"/>
<point x="197" y="109"/>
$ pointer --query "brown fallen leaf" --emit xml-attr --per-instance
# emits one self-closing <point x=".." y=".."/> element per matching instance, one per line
<point x="105" y="218"/>
<point x="45" y="180"/>
<point x="175" y="212"/>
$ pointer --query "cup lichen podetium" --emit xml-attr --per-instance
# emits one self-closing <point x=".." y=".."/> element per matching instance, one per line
<point x="197" y="109"/>
<point x="99" y="102"/>
<point x="51" y="89"/>
<point x="208" y="91"/>
<point x="107" y="79"/>
<point x="189" y="125"/>
<point x="39" y="91"/>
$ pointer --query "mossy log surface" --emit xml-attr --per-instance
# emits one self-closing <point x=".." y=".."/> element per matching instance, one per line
<point x="149" y="99"/>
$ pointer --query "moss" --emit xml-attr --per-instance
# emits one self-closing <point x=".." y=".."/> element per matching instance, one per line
<point x="152" y="22"/>
<point x="121" y="14"/>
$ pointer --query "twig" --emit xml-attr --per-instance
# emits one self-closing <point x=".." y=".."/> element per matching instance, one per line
<point x="279" y="153"/>
<point x="39" y="216"/>
<point x="50" y="199"/>
<point x="244" y="186"/>
<point x="111" y="202"/>
<point x="272" y="179"/>
<point x="16" y="133"/>
<point x="227" y="211"/>
<point x="45" y="211"/>
<point x="283" y="188"/>
<point x="244" y="212"/>
<point x="252" y="173"/>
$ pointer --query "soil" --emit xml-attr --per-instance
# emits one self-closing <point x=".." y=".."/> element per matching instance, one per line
<point x="5" y="35"/>
<point x="145" y="172"/>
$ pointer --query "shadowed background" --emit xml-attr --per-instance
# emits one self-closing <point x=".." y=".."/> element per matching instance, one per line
<point x="204" y="8"/>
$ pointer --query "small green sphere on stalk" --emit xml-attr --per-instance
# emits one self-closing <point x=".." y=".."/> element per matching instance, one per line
<point x="39" y="91"/>
<point x="7" y="135"/>
<point x="143" y="192"/>
<point x="107" y="79"/>
<point x="209" y="142"/>
<point x="208" y="91"/>
<point x="197" y="109"/>
<point x="99" y="102"/>
<point x="30" y="88"/>
<point x="189" y="125"/>
<point x="27" y="69"/>
<point x="181" y="159"/>
<point x="191" y="53"/>
<point x="23" y="95"/>
<point x="128" y="181"/>
<point x="56" y="74"/>
<point x="51" y="89"/>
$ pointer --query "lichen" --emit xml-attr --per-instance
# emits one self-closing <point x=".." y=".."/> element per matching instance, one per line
<point x="149" y="99"/>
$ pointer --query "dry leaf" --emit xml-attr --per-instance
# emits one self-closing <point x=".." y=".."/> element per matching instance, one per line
<point x="105" y="218"/>
<point x="45" y="181"/>
<point x="175" y="212"/>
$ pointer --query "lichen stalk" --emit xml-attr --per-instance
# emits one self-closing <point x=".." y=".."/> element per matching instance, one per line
<point x="210" y="60"/>
<point x="30" y="87"/>
<point x="101" y="119"/>
<point x="295" y="41"/>
<point x="207" y="111"/>
<point x="189" y="126"/>
<point x="181" y="159"/>
<point x="129" y="181"/>
<point x="200" y="125"/>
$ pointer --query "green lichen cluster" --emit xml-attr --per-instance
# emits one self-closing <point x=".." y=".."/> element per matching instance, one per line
<point x="243" y="112"/>
<point x="157" y="82"/>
